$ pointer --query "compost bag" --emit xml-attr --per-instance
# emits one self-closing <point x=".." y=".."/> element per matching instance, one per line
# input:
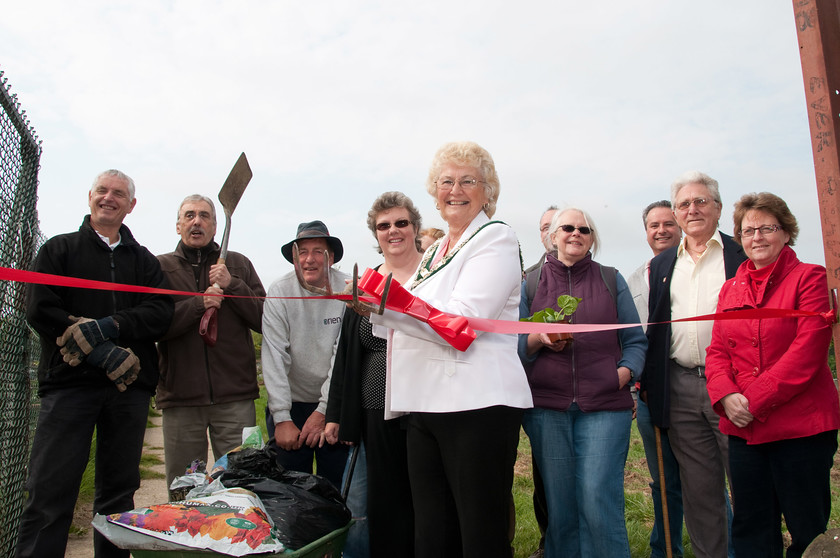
<point x="304" y="507"/>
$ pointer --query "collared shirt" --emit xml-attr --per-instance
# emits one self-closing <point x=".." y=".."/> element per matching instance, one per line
<point x="694" y="292"/>
<point x="107" y="240"/>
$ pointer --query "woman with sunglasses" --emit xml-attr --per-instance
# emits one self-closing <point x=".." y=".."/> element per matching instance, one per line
<point x="355" y="408"/>
<point x="580" y="424"/>
<point x="769" y="381"/>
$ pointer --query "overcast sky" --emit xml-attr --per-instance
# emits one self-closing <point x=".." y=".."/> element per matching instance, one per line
<point x="599" y="105"/>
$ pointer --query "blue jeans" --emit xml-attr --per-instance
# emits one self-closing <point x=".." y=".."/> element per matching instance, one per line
<point x="581" y="457"/>
<point x="672" y="486"/>
<point x="358" y="544"/>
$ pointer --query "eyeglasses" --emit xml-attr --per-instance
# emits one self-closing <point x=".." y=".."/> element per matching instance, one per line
<point x="401" y="224"/>
<point x="749" y="232"/>
<point x="571" y="229"/>
<point x="698" y="203"/>
<point x="464" y="183"/>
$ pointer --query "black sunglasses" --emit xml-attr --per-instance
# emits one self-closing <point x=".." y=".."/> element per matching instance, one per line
<point x="571" y="229"/>
<point x="401" y="224"/>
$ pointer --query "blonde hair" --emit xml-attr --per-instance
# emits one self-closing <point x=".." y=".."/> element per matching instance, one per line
<point x="433" y="232"/>
<point x="470" y="154"/>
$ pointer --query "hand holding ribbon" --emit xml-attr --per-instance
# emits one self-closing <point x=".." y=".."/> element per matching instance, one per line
<point x="455" y="330"/>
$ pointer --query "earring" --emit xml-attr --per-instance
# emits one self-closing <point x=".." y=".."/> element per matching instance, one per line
<point x="486" y="206"/>
<point x="437" y="206"/>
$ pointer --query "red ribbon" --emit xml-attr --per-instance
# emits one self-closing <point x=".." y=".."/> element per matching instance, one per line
<point x="458" y="331"/>
<point x="9" y="274"/>
<point x="455" y="330"/>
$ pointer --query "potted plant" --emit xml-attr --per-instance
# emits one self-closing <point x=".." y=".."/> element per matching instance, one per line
<point x="567" y="305"/>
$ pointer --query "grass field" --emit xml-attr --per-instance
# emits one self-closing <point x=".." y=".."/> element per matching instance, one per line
<point x="638" y="503"/>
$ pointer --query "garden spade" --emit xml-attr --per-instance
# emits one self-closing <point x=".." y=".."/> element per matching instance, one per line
<point x="229" y="196"/>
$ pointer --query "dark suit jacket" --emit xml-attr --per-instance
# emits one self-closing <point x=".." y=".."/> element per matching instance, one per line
<point x="655" y="379"/>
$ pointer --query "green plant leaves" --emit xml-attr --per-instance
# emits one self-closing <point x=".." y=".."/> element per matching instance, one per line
<point x="567" y="305"/>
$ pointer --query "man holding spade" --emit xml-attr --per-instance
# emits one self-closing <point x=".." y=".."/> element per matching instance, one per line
<point x="207" y="385"/>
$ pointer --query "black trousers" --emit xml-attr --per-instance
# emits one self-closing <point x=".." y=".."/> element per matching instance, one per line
<point x="60" y="452"/>
<point x="461" y="470"/>
<point x="390" y="512"/>
<point x="788" y="477"/>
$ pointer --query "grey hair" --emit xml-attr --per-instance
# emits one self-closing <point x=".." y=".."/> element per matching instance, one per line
<point x="197" y="198"/>
<point x="119" y="174"/>
<point x="557" y="220"/>
<point x="692" y="177"/>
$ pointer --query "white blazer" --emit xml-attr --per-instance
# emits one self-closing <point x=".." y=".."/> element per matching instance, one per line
<point x="425" y="373"/>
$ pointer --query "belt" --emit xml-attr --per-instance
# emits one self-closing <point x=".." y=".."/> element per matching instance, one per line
<point x="699" y="371"/>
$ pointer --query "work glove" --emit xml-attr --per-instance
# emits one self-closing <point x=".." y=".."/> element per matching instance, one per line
<point x="84" y="335"/>
<point x="71" y="353"/>
<point x="121" y="365"/>
<point x="69" y="349"/>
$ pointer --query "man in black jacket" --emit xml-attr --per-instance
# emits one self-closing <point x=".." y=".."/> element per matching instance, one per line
<point x="684" y="282"/>
<point x="98" y="369"/>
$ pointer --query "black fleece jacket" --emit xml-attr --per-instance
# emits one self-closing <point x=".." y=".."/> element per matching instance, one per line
<point x="142" y="318"/>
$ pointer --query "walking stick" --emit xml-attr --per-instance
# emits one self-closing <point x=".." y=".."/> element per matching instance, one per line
<point x="663" y="493"/>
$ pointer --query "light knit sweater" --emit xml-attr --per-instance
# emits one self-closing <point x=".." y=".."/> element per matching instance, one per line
<point x="299" y="338"/>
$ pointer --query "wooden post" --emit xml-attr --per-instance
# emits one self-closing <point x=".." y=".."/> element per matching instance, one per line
<point x="818" y="31"/>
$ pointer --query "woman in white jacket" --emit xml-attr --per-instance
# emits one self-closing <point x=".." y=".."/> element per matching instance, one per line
<point x="465" y="407"/>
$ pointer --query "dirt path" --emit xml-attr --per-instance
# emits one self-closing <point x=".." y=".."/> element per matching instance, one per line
<point x="152" y="491"/>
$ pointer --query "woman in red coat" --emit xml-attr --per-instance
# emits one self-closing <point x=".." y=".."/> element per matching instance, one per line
<point x="769" y="381"/>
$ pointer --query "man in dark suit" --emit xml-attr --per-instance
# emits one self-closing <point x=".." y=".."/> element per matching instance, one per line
<point x="685" y="282"/>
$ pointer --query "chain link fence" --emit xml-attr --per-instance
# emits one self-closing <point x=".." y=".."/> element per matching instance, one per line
<point x="20" y="153"/>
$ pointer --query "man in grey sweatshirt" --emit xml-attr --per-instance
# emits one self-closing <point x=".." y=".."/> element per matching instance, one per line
<point x="299" y="338"/>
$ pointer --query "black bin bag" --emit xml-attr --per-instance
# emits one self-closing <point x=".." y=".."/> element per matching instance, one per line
<point x="304" y="507"/>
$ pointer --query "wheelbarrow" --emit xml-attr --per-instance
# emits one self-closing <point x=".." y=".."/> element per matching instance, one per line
<point x="328" y="546"/>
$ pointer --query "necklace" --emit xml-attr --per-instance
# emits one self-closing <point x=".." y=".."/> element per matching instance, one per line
<point x="693" y="251"/>
<point x="426" y="270"/>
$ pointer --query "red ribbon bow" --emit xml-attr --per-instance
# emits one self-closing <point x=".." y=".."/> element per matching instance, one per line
<point x="455" y="330"/>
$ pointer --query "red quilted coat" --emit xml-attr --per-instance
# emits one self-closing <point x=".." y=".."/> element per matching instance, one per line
<point x="780" y="365"/>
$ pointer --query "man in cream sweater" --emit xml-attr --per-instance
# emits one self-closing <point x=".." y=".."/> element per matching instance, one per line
<point x="299" y="338"/>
